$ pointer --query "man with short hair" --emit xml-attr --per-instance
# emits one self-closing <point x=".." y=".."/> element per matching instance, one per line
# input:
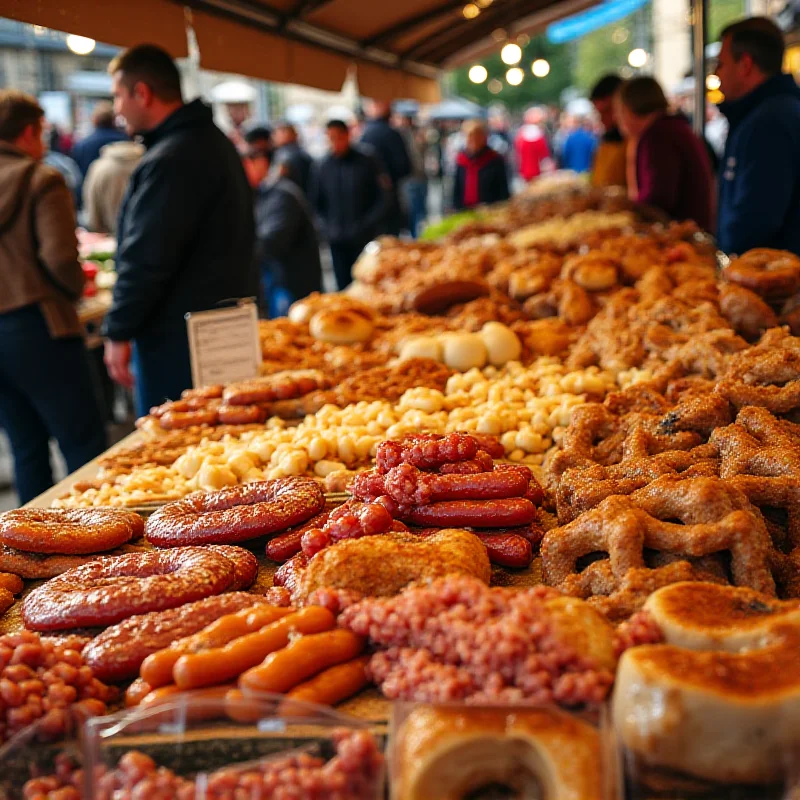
<point x="88" y="149"/>
<point x="296" y="164"/>
<point x="185" y="235"/>
<point x="759" y="181"/>
<point x="609" y="164"/>
<point x="350" y="197"/>
<point x="286" y="240"/>
<point x="480" y="171"/>
<point x="46" y="388"/>
<point x="389" y="147"/>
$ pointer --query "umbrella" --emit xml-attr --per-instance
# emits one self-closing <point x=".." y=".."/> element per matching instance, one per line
<point x="233" y="92"/>
<point x="406" y="108"/>
<point x="457" y="108"/>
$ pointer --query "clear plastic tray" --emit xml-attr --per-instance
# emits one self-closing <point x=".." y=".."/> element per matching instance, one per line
<point x="29" y="754"/>
<point x="646" y="780"/>
<point x="500" y="752"/>
<point x="197" y="736"/>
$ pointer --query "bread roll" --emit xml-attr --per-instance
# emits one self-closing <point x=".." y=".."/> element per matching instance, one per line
<point x="341" y="326"/>
<point x="451" y="753"/>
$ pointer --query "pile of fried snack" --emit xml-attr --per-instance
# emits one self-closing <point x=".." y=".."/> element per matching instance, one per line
<point x="571" y="453"/>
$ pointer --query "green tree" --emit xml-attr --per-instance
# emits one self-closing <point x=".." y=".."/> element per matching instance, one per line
<point x="532" y="90"/>
<point x="722" y="13"/>
<point x="606" y="49"/>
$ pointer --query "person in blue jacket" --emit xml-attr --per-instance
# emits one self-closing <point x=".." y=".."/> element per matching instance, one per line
<point x="579" y="147"/>
<point x="759" y="181"/>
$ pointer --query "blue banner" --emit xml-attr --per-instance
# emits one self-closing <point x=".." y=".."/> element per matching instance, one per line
<point x="587" y="21"/>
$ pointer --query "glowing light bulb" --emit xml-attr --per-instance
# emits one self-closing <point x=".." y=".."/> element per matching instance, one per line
<point x="713" y="82"/>
<point x="511" y="53"/>
<point x="637" y="58"/>
<point x="80" y="45"/>
<point x="470" y="11"/>
<point x="478" y="73"/>
<point x="541" y="67"/>
<point x="514" y="76"/>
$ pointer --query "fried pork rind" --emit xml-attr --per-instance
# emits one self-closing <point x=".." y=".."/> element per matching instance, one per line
<point x="766" y="375"/>
<point x="682" y="519"/>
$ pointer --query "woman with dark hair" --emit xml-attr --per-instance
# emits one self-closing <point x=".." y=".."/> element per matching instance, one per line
<point x="668" y="166"/>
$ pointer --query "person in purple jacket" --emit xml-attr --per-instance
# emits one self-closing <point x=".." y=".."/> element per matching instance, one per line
<point x="668" y="166"/>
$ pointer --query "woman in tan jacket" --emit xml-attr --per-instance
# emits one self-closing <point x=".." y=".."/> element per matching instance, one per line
<point x="46" y="389"/>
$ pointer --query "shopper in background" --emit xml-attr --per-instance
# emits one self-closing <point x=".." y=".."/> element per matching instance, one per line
<point x="66" y="165"/>
<point x="480" y="171"/>
<point x="566" y="125"/>
<point x="351" y="198"/>
<point x="186" y="233"/>
<point x="105" y="184"/>
<point x="46" y="388"/>
<point x="608" y="168"/>
<point x="668" y="166"/>
<point x="295" y="162"/>
<point x="759" y="199"/>
<point x="530" y="145"/>
<point x="577" y="153"/>
<point x="287" y="248"/>
<point x="88" y="149"/>
<point x="257" y="140"/>
<point x="391" y="151"/>
<point x="415" y="187"/>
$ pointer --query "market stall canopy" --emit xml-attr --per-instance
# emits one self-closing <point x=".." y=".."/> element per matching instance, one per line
<point x="398" y="47"/>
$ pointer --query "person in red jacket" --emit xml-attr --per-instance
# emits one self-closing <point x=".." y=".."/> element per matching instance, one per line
<point x="668" y="166"/>
<point x="530" y="144"/>
<point x="480" y="171"/>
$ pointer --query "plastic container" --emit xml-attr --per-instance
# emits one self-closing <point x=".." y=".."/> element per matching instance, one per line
<point x="30" y="755"/>
<point x="646" y="780"/>
<point x="197" y="737"/>
<point x="494" y="752"/>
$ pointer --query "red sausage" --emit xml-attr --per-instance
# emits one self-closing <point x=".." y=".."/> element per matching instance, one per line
<point x="507" y="549"/>
<point x="286" y="545"/>
<point x="511" y="512"/>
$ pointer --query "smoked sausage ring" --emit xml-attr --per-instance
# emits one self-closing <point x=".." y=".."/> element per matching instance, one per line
<point x="68" y="531"/>
<point x="235" y="514"/>
<point x="108" y="590"/>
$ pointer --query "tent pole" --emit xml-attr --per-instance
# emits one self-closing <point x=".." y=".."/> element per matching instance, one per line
<point x="699" y="38"/>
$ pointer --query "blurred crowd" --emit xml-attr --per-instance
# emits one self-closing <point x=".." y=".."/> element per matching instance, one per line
<point x="202" y="216"/>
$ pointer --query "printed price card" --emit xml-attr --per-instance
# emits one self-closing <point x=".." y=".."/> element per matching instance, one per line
<point x="224" y="344"/>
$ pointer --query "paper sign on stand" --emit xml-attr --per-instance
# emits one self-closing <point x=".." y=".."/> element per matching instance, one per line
<point x="224" y="345"/>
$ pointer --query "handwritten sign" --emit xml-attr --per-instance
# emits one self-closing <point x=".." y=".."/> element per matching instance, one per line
<point x="224" y="344"/>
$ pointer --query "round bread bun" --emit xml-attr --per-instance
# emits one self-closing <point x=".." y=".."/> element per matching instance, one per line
<point x="463" y="351"/>
<point x="341" y="326"/>
<point x="451" y="753"/>
<point x="303" y="310"/>
<point x="421" y="347"/>
<point x="502" y="344"/>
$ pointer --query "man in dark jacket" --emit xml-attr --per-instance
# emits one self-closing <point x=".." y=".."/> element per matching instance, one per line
<point x="759" y="182"/>
<point x="350" y="199"/>
<point x="87" y="149"/>
<point x="480" y="171"/>
<point x="287" y="247"/>
<point x="388" y="145"/>
<point x="186" y="233"/>
<point x="296" y="164"/>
